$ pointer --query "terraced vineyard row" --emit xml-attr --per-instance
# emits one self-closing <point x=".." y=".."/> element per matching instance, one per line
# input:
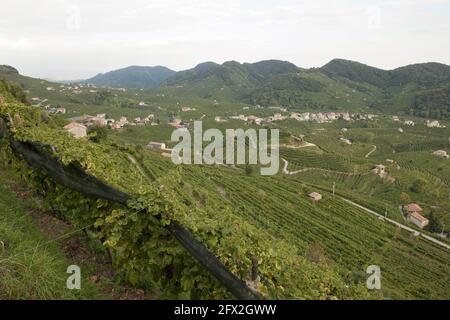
<point x="304" y="159"/>
<point x="282" y="208"/>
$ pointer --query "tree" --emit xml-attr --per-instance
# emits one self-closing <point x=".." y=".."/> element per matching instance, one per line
<point x="418" y="185"/>
<point x="97" y="133"/>
<point x="435" y="224"/>
<point x="404" y="198"/>
<point x="248" y="170"/>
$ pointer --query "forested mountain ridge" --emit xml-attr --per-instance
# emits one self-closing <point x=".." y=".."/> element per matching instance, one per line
<point x="132" y="77"/>
<point x="417" y="89"/>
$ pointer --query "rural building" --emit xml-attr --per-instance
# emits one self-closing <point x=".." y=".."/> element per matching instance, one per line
<point x="380" y="170"/>
<point x="442" y="154"/>
<point x="412" y="207"/>
<point x="78" y="130"/>
<point x="314" y="196"/>
<point x="417" y="219"/>
<point x="177" y="123"/>
<point x="219" y="119"/>
<point x="347" y="141"/>
<point x="434" y="124"/>
<point x="156" y="145"/>
<point x="413" y="211"/>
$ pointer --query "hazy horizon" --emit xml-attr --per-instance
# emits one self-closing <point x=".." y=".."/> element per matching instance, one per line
<point x="70" y="40"/>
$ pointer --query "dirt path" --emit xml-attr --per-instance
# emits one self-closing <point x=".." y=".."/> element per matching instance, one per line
<point x="305" y="145"/>
<point x="371" y="151"/>
<point x="398" y="224"/>
<point x="380" y="216"/>
<point x="287" y="172"/>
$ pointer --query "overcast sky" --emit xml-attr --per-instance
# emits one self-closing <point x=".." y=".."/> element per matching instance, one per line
<point x="76" y="39"/>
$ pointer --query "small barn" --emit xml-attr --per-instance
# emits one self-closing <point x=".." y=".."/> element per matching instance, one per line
<point x="315" y="197"/>
<point x="156" y="145"/>
<point x="417" y="219"/>
<point x="78" y="130"/>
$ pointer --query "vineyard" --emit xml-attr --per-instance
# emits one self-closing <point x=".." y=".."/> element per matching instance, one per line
<point x="242" y="219"/>
<point x="140" y="244"/>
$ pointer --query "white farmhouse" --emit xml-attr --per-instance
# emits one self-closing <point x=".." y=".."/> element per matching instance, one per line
<point x="78" y="130"/>
<point x="441" y="153"/>
<point x="156" y="145"/>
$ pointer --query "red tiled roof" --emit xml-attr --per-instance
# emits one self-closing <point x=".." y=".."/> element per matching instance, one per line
<point x="74" y="125"/>
<point x="418" y="217"/>
<point x="413" y="207"/>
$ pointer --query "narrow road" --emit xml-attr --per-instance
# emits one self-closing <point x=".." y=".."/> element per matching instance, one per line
<point x="402" y="226"/>
<point x="380" y="216"/>
<point x="287" y="172"/>
<point x="371" y="151"/>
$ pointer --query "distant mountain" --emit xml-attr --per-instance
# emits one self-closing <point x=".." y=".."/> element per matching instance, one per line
<point x="424" y="74"/>
<point x="419" y="89"/>
<point x="132" y="77"/>
<point x="231" y="78"/>
<point x="356" y="72"/>
<point x="4" y="69"/>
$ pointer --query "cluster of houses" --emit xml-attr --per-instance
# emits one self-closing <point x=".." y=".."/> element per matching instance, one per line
<point x="434" y="124"/>
<point x="78" y="126"/>
<point x="323" y="117"/>
<point x="55" y="110"/>
<point x="319" y="117"/>
<point x="429" y="123"/>
<point x="74" y="88"/>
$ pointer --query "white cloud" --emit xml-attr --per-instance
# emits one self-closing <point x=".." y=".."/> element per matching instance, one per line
<point x="78" y="38"/>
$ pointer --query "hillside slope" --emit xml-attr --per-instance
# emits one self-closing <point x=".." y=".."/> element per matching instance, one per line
<point x="417" y="89"/>
<point x="231" y="79"/>
<point x="132" y="77"/>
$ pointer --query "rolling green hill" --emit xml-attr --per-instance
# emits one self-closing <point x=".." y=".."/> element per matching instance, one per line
<point x="132" y="77"/>
<point x="416" y="90"/>
<point x="236" y="212"/>
<point x="231" y="79"/>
